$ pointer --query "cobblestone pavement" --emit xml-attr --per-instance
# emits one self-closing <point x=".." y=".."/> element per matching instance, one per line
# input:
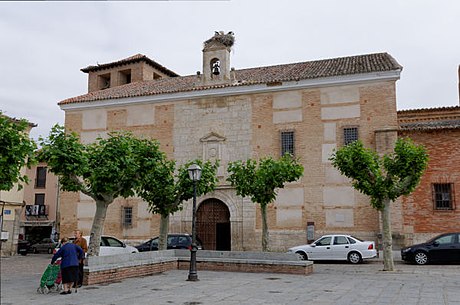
<point x="330" y="284"/>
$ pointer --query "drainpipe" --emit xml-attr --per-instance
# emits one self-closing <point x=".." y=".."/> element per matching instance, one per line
<point x="1" y="224"/>
<point x="57" y="221"/>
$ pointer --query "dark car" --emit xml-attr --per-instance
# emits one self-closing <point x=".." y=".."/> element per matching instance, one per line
<point x="46" y="245"/>
<point x="23" y="246"/>
<point x="442" y="248"/>
<point x="175" y="241"/>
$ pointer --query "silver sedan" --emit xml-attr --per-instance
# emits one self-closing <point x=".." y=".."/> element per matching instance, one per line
<point x="337" y="247"/>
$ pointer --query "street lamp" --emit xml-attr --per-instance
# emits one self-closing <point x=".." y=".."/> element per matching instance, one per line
<point x="194" y="172"/>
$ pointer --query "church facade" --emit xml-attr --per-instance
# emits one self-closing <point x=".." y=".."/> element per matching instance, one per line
<point x="307" y="109"/>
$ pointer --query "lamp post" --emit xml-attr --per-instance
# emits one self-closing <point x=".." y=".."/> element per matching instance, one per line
<point x="194" y="172"/>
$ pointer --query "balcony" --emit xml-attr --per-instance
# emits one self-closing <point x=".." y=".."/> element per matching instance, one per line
<point x="37" y="211"/>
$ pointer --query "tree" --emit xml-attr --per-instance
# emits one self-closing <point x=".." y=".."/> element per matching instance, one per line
<point x="383" y="179"/>
<point x="165" y="192"/>
<point x="259" y="181"/>
<point x="104" y="170"/>
<point x="16" y="151"/>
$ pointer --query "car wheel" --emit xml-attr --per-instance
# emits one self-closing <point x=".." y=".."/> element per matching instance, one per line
<point x="34" y="250"/>
<point x="50" y="251"/>
<point x="302" y="255"/>
<point x="24" y="253"/>
<point x="354" y="257"/>
<point x="421" y="258"/>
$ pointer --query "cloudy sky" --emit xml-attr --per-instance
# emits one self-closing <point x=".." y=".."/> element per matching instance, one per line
<point x="44" y="44"/>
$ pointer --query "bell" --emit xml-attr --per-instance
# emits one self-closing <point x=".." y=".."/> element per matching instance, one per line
<point x="216" y="70"/>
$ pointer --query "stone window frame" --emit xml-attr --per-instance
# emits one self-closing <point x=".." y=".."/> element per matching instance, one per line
<point x="283" y="144"/>
<point x="438" y="190"/>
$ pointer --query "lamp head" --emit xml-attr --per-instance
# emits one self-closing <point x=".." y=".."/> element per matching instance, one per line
<point x="194" y="172"/>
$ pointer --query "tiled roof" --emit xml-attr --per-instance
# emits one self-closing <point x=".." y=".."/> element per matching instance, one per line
<point x="425" y="119"/>
<point x="449" y="124"/>
<point x="378" y="62"/>
<point x="434" y="109"/>
<point x="130" y="60"/>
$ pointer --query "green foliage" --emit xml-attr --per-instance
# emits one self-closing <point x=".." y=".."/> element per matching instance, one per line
<point x="103" y="170"/>
<point x="66" y="157"/>
<point x="259" y="180"/>
<point x="206" y="184"/>
<point x="157" y="186"/>
<point x="380" y="178"/>
<point x="16" y="151"/>
<point x="165" y="191"/>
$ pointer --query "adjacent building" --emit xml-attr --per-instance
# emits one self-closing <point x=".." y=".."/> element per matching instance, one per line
<point x="38" y="219"/>
<point x="307" y="109"/>
<point x="433" y="207"/>
<point x="11" y="207"/>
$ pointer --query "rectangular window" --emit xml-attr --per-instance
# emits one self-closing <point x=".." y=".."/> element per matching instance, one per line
<point x="124" y="77"/>
<point x="104" y="81"/>
<point x="40" y="180"/>
<point x="287" y="143"/>
<point x="442" y="196"/>
<point x="350" y="134"/>
<point x="39" y="199"/>
<point x="127" y="216"/>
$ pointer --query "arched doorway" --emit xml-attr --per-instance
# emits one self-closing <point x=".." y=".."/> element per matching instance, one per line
<point x="213" y="225"/>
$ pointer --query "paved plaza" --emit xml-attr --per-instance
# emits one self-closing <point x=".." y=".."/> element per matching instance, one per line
<point x="330" y="284"/>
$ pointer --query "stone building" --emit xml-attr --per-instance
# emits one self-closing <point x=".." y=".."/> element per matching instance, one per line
<point x="433" y="207"/>
<point x="307" y="108"/>
<point x="11" y="206"/>
<point x="38" y="218"/>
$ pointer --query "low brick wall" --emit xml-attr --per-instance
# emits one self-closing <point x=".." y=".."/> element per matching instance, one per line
<point x="236" y="266"/>
<point x="109" y="269"/>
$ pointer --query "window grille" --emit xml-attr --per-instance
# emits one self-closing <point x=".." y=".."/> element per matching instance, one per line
<point x="442" y="196"/>
<point x="287" y="142"/>
<point x="127" y="216"/>
<point x="350" y="134"/>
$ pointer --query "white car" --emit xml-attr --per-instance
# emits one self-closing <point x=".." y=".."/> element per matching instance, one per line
<point x="109" y="246"/>
<point x="337" y="247"/>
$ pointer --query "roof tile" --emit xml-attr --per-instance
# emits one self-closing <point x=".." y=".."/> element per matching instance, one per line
<point x="359" y="64"/>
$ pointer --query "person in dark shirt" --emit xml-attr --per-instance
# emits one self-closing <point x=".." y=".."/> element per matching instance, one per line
<point x="70" y="255"/>
<point x="80" y="241"/>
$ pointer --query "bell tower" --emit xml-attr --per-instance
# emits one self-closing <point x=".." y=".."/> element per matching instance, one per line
<point x="216" y="58"/>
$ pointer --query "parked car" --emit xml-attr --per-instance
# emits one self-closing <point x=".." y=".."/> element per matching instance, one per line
<point x="109" y="246"/>
<point x="23" y="246"/>
<point x="442" y="248"/>
<point x="175" y="241"/>
<point x="46" y="245"/>
<point x="337" y="247"/>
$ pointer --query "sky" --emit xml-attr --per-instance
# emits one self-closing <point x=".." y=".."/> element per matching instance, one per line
<point x="44" y="44"/>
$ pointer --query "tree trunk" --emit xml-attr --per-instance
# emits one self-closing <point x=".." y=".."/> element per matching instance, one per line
<point x="96" y="229"/>
<point x="263" y="209"/>
<point x="388" y="264"/>
<point x="164" y="228"/>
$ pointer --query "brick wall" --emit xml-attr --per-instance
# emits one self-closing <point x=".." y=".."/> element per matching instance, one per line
<point x="117" y="274"/>
<point x="421" y="219"/>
